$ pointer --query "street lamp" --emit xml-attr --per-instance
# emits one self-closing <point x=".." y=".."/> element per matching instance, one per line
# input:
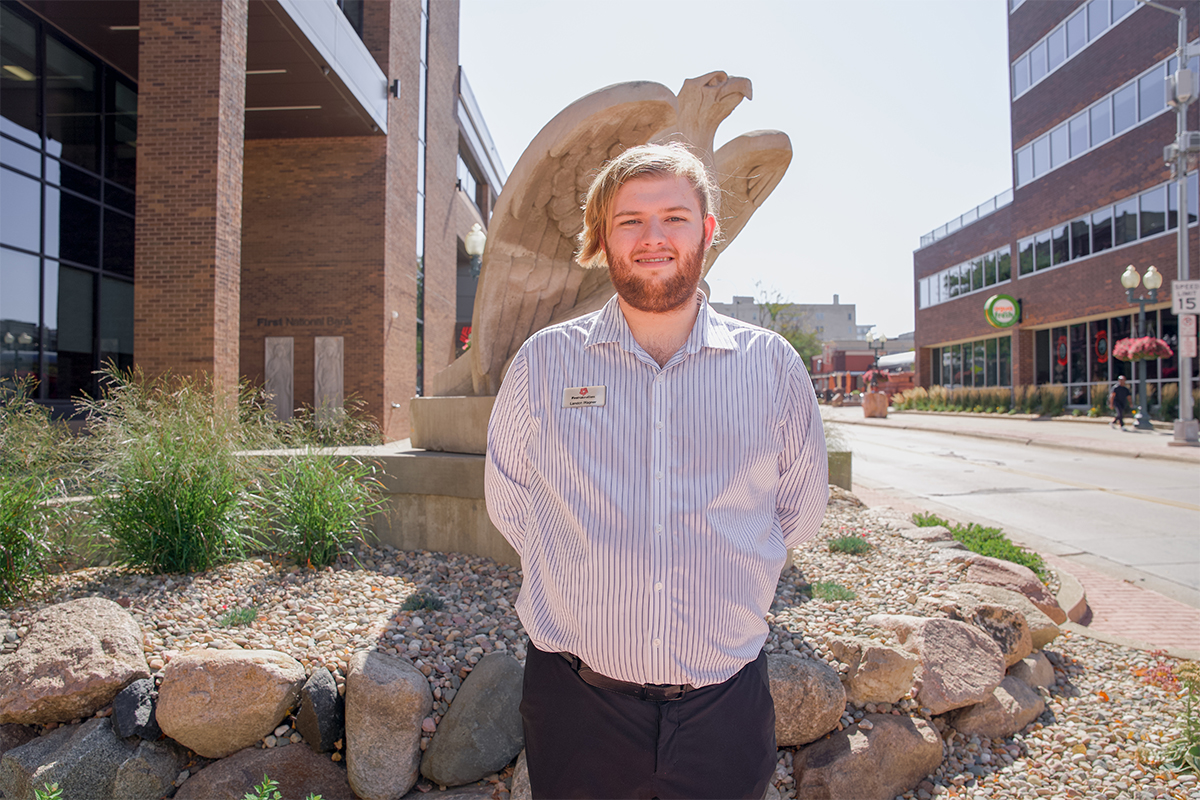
<point x="474" y="242"/>
<point x="878" y="342"/>
<point x="1130" y="280"/>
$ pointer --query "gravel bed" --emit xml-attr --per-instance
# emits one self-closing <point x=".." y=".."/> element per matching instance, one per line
<point x="1097" y="738"/>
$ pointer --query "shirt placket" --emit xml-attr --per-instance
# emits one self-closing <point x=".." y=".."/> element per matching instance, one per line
<point x="659" y="507"/>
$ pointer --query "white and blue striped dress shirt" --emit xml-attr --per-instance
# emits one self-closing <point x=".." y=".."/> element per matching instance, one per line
<point x="652" y="528"/>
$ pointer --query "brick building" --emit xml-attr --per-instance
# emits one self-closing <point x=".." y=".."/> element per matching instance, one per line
<point x="1091" y="196"/>
<point x="275" y="190"/>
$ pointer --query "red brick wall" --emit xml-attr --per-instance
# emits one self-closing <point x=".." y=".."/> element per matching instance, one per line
<point x="191" y="106"/>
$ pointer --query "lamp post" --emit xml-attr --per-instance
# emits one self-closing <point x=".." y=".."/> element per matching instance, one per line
<point x="1130" y="280"/>
<point x="474" y="242"/>
<point x="878" y="342"/>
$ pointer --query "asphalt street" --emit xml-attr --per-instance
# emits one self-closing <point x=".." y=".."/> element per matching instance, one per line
<point x="1137" y="519"/>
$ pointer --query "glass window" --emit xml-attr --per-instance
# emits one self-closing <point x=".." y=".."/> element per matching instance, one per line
<point x="935" y="366"/>
<point x="1042" y="250"/>
<point x="1101" y="123"/>
<point x="1004" y="267"/>
<point x="923" y="292"/>
<point x="1059" y="151"/>
<point x="1004" y="361"/>
<point x="990" y="347"/>
<point x="1056" y="50"/>
<point x="18" y="156"/>
<point x="1125" y="218"/>
<point x="116" y="322"/>
<point x="1081" y="238"/>
<point x="19" y="331"/>
<point x="70" y="330"/>
<point x="1172" y="206"/>
<point x="1193" y="205"/>
<point x="956" y="365"/>
<point x="947" y="366"/>
<point x="1024" y="166"/>
<point x="121" y="135"/>
<point x="1041" y="156"/>
<point x="1154" y="211"/>
<point x="989" y="269"/>
<point x="1059" y="355"/>
<point x="976" y="267"/>
<point x="1061" y="241"/>
<point x="1076" y="33"/>
<point x="1122" y="7"/>
<point x="72" y="106"/>
<point x="74" y="232"/>
<point x="1020" y="75"/>
<point x="1079" y="353"/>
<point x="1102" y="238"/>
<point x="1125" y="108"/>
<point x="19" y="79"/>
<point x="20" y="205"/>
<point x="949" y="283"/>
<point x="1078" y="134"/>
<point x="1100" y="349"/>
<point x="1026" y="256"/>
<point x="1037" y="63"/>
<point x="979" y="363"/>
<point x="1041" y="356"/>
<point x="1097" y="12"/>
<point x="118" y="243"/>
<point x="1151" y="94"/>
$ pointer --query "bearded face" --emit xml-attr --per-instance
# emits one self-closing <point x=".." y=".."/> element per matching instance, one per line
<point x="655" y="292"/>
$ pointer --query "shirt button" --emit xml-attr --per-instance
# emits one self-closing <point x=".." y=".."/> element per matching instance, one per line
<point x="657" y="642"/>
<point x="658" y="476"/>
<point x="659" y="425"/>
<point x="658" y="528"/>
<point x="658" y="586"/>
<point x="659" y="379"/>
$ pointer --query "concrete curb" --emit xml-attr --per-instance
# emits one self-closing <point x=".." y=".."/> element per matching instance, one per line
<point x="1072" y="597"/>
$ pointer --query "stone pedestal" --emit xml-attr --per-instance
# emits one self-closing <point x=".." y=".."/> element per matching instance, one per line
<point x="451" y="424"/>
<point x="875" y="404"/>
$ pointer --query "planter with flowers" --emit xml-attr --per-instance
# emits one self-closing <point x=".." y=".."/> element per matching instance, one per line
<point x="874" y="402"/>
<point x="1142" y="348"/>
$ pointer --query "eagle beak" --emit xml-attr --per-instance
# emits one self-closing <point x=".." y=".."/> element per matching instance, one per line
<point x="741" y="86"/>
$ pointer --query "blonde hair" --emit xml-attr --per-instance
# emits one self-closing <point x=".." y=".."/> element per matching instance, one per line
<point x="647" y="160"/>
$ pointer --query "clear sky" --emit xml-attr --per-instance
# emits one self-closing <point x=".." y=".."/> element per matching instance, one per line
<point x="897" y="111"/>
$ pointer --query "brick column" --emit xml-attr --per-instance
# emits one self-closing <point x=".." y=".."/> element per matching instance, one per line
<point x="191" y="121"/>
<point x="1022" y="357"/>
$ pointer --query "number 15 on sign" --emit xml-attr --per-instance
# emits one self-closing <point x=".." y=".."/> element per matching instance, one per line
<point x="1185" y="297"/>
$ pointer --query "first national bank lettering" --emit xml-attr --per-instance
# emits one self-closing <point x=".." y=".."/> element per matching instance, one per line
<point x="308" y="322"/>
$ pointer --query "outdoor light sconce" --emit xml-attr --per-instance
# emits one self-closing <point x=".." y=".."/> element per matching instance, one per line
<point x="474" y="243"/>
<point x="1130" y="280"/>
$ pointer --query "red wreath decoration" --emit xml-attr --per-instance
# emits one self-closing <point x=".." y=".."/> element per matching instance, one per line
<point x="1143" y="348"/>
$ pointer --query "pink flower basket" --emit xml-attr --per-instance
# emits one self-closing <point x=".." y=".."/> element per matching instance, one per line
<point x="1141" y="349"/>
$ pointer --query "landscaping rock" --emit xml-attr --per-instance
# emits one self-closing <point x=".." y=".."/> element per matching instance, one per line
<point x="1012" y="705"/>
<point x="809" y="698"/>
<point x="1036" y="671"/>
<point x="321" y="719"/>
<point x="1007" y="575"/>
<point x="1005" y="625"/>
<point x="133" y="711"/>
<point x="89" y="761"/>
<point x="520" y="780"/>
<point x="13" y="735"/>
<point x="386" y="700"/>
<point x="74" y="659"/>
<point x="878" y="673"/>
<point x="879" y="763"/>
<point x="1042" y="629"/>
<point x="298" y="771"/>
<point x="960" y="664"/>
<point x="933" y="533"/>
<point x="218" y="701"/>
<point x="482" y="731"/>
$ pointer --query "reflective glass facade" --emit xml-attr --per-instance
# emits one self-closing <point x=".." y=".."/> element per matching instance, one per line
<point x="68" y="133"/>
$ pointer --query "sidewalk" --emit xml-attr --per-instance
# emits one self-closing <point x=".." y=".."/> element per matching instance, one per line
<point x="1121" y="613"/>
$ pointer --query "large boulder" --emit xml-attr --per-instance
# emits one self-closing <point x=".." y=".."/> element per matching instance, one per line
<point x="1005" y="625"/>
<point x="809" y="698"/>
<point x="960" y="664"/>
<point x="75" y="658"/>
<point x="386" y="700"/>
<point x="1036" y="671"/>
<point x="298" y="771"/>
<point x="321" y="719"/>
<point x="879" y="760"/>
<point x="482" y="731"/>
<point x="1042" y="629"/>
<point x="878" y="673"/>
<point x="89" y="761"/>
<point x="133" y="711"/>
<point x="929" y="533"/>
<point x="12" y="735"/>
<point x="1007" y="575"/>
<point x="218" y="701"/>
<point x="1010" y="707"/>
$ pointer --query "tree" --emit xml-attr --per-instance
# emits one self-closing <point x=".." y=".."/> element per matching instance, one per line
<point x="771" y="314"/>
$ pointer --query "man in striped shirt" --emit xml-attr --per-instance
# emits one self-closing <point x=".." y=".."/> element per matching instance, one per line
<point x="651" y="463"/>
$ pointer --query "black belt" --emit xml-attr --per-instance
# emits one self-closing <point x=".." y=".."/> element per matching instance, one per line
<point x="657" y="692"/>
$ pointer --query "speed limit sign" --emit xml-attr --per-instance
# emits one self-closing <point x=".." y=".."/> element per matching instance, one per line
<point x="1185" y="297"/>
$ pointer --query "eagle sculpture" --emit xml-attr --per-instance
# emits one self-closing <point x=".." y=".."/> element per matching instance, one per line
<point x="529" y="278"/>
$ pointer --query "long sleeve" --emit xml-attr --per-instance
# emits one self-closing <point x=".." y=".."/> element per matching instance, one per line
<point x="506" y="467"/>
<point x="803" y="466"/>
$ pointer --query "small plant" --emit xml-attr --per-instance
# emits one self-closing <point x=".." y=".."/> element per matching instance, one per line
<point x="49" y="791"/>
<point x="829" y="590"/>
<point x="852" y="545"/>
<point x="319" y="504"/>
<point x="985" y="541"/>
<point x="421" y="601"/>
<point x="342" y="427"/>
<point x="24" y="526"/>
<point x="269" y="790"/>
<point x="1183" y="754"/>
<point x="928" y="520"/>
<point x="239" y="616"/>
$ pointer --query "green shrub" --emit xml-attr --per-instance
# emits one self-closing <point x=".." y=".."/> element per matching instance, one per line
<point x="1169" y="408"/>
<point x="344" y="427"/>
<point x="238" y="616"/>
<point x="928" y="520"/>
<point x="32" y="442"/>
<point x="25" y="519"/>
<point x="421" y="601"/>
<point x="853" y="545"/>
<point x="318" y="504"/>
<point x="1054" y="400"/>
<point x="992" y="542"/>
<point x="169" y="490"/>
<point x="1100" y="400"/>
<point x="829" y="590"/>
<point x="269" y="790"/>
<point x="49" y="791"/>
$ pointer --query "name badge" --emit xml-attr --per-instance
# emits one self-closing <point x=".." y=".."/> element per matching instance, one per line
<point x="582" y="396"/>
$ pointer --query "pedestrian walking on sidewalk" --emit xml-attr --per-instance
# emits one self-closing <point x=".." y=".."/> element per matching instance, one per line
<point x="652" y="501"/>
<point x="1118" y="398"/>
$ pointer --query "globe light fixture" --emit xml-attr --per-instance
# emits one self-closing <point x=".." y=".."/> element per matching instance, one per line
<point x="474" y="243"/>
<point x="1130" y="280"/>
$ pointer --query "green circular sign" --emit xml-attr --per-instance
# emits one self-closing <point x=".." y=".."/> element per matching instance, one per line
<point x="1002" y="311"/>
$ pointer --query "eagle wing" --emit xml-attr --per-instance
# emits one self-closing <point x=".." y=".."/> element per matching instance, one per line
<point x="529" y="277"/>
<point x="748" y="169"/>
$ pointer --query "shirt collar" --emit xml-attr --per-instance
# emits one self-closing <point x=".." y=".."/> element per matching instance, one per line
<point x="709" y="329"/>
